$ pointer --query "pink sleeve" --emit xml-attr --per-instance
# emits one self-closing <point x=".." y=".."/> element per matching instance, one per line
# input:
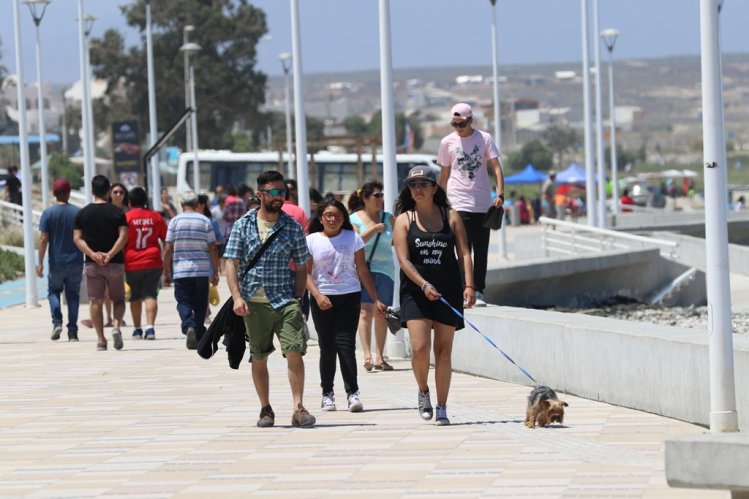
<point x="443" y="156"/>
<point x="491" y="149"/>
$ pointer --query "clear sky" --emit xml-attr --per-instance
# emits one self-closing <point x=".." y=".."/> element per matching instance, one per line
<point x="343" y="35"/>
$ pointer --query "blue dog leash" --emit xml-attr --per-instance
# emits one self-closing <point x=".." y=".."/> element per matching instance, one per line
<point x="489" y="340"/>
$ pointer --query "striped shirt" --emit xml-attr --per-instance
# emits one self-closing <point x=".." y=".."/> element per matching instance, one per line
<point x="272" y="270"/>
<point x="191" y="233"/>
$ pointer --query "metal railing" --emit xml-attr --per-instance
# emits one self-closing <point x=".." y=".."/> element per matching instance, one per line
<point x="12" y="214"/>
<point x="569" y="238"/>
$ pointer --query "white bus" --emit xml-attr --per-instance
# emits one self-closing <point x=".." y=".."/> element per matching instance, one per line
<point x="328" y="172"/>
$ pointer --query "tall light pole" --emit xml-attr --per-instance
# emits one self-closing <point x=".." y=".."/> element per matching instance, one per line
<point x="599" y="123"/>
<point x="723" y="416"/>
<point x="28" y="228"/>
<point x="38" y="8"/>
<point x="302" y="175"/>
<point x="609" y="37"/>
<point x="590" y="184"/>
<point x="190" y="49"/>
<point x="497" y="111"/>
<point x="185" y="40"/>
<point x="155" y="182"/>
<point x="85" y="118"/>
<point x="285" y="59"/>
<point x="91" y="133"/>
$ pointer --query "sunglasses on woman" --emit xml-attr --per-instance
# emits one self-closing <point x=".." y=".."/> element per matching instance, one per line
<point x="419" y="185"/>
<point x="377" y="195"/>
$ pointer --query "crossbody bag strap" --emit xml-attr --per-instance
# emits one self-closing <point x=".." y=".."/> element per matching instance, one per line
<point x="261" y="251"/>
<point x="377" y="240"/>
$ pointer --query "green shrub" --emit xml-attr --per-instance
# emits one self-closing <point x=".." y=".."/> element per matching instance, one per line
<point x="11" y="265"/>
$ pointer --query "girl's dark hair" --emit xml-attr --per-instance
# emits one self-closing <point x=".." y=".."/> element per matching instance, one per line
<point x="405" y="201"/>
<point x="316" y="226"/>
<point x="203" y="199"/>
<point x="125" y="198"/>
<point x="356" y="199"/>
<point x="314" y="195"/>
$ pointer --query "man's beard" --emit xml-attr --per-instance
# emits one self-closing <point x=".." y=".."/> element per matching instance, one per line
<point x="272" y="208"/>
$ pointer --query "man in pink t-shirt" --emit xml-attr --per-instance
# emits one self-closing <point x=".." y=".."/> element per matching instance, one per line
<point x="465" y="156"/>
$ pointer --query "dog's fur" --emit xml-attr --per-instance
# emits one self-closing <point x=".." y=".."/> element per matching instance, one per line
<point x="544" y="408"/>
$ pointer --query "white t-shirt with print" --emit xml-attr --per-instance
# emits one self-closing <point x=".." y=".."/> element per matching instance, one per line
<point x="468" y="187"/>
<point x="333" y="267"/>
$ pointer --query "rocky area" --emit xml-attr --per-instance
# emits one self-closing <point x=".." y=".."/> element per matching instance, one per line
<point x="692" y="317"/>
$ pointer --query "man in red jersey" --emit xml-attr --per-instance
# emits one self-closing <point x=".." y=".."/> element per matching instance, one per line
<point x="143" y="262"/>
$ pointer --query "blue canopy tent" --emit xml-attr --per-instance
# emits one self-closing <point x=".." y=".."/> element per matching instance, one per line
<point x="574" y="174"/>
<point x="528" y="176"/>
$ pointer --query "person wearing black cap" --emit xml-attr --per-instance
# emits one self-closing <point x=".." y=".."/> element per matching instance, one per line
<point x="466" y="155"/>
<point x="432" y="250"/>
<point x="65" y="259"/>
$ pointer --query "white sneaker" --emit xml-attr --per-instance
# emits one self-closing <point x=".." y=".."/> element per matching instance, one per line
<point x="480" y="302"/>
<point x="354" y="404"/>
<point x="328" y="402"/>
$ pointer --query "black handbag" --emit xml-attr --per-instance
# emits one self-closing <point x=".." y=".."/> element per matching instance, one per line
<point x="229" y="324"/>
<point x="493" y="218"/>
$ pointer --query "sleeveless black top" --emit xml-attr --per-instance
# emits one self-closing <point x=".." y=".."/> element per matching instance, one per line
<point x="434" y="257"/>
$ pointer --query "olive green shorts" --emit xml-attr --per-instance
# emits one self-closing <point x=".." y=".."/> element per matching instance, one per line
<point x="263" y="323"/>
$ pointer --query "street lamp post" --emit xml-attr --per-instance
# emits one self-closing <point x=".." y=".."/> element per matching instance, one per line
<point x="85" y="118"/>
<point x="590" y="195"/>
<point x="609" y="37"/>
<point x="285" y="59"/>
<point x="28" y="228"/>
<point x="497" y="111"/>
<point x="37" y="9"/>
<point x="300" y="125"/>
<point x="599" y="122"/>
<point x="185" y="40"/>
<point x="191" y="49"/>
<point x="88" y="20"/>
<point x="155" y="182"/>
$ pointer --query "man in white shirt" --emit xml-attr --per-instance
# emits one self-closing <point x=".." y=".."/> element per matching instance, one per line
<point x="465" y="156"/>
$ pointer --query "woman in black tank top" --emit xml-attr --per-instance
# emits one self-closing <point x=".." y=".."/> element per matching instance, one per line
<point x="435" y="262"/>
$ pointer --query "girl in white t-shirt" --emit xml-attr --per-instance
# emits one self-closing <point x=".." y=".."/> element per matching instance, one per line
<point x="336" y="271"/>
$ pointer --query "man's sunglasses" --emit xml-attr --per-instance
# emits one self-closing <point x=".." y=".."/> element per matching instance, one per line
<point x="419" y="185"/>
<point x="274" y="192"/>
<point x="461" y="124"/>
<point x="377" y="195"/>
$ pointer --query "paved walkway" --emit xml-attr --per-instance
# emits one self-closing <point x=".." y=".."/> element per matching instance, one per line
<point x="155" y="420"/>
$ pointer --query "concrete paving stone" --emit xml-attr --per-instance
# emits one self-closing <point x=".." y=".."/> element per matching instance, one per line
<point x="154" y="420"/>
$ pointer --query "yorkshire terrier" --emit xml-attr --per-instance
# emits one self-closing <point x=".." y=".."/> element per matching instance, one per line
<point x="544" y="408"/>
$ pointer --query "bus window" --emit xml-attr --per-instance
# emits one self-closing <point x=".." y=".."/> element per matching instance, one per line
<point x="337" y="177"/>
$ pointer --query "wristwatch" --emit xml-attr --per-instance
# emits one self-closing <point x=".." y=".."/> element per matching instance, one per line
<point x="501" y="196"/>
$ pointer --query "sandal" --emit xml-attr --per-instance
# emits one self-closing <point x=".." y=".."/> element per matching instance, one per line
<point x="368" y="365"/>
<point x="384" y="366"/>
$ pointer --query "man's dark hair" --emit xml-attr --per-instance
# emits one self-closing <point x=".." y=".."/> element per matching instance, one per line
<point x="268" y="177"/>
<point x="243" y="190"/>
<point x="100" y="186"/>
<point x="138" y="197"/>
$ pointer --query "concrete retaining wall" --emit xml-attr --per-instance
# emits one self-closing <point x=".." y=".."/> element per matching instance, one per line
<point x="658" y="369"/>
<point x="584" y="280"/>
<point x="691" y="252"/>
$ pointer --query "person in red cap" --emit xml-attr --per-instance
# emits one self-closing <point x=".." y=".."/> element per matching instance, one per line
<point x="65" y="259"/>
<point x="466" y="155"/>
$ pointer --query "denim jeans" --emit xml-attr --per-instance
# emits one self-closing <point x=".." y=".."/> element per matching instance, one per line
<point x="69" y="278"/>
<point x="191" y="294"/>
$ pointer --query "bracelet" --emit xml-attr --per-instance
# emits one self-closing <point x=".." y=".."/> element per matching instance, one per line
<point x="469" y="286"/>
<point x="425" y="285"/>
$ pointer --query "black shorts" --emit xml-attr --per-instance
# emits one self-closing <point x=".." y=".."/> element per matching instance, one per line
<point x="143" y="283"/>
<point x="414" y="306"/>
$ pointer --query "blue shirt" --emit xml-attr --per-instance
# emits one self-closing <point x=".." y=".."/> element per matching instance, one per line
<point x="191" y="233"/>
<point x="272" y="270"/>
<point x="382" y="261"/>
<point x="58" y="221"/>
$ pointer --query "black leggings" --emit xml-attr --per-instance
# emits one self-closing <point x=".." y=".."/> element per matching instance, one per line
<point x="478" y="241"/>
<point x="336" y="335"/>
